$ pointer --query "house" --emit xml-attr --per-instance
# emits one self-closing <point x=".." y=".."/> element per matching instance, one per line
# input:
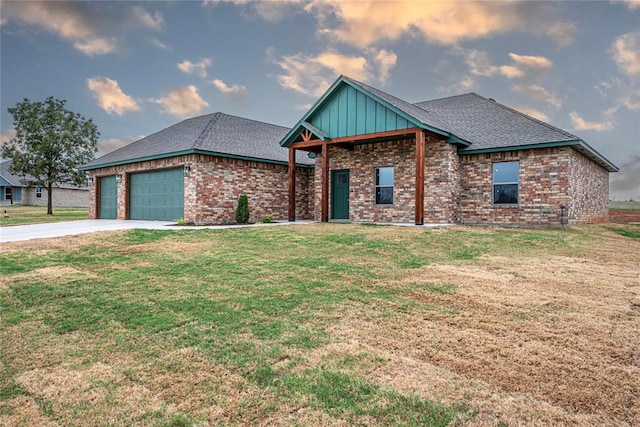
<point x="14" y="192"/>
<point x="196" y="170"/>
<point x="360" y="154"/>
<point x="463" y="159"/>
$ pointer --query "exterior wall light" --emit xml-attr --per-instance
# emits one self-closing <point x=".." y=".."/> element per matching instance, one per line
<point x="187" y="169"/>
<point x="90" y="180"/>
<point x="119" y="177"/>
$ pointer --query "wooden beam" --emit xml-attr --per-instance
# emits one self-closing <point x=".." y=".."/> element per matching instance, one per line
<point x="420" y="165"/>
<point x="378" y="135"/>
<point x="292" y="184"/>
<point x="324" y="210"/>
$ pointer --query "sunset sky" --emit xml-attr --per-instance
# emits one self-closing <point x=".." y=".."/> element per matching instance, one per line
<point x="138" y="67"/>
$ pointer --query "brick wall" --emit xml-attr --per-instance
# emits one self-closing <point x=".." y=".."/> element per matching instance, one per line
<point x="442" y="191"/>
<point x="549" y="178"/>
<point x="213" y="184"/>
<point x="588" y="190"/>
<point x="221" y="180"/>
<point x="61" y="197"/>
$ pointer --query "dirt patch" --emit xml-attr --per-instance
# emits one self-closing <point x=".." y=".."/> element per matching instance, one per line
<point x="537" y="340"/>
<point x="624" y="215"/>
<point x="24" y="411"/>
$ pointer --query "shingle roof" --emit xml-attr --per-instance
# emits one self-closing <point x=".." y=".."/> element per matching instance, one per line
<point x="488" y="124"/>
<point x="16" y="180"/>
<point x="216" y="133"/>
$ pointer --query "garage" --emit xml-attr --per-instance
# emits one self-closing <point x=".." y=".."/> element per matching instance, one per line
<point x="157" y="195"/>
<point x="108" y="204"/>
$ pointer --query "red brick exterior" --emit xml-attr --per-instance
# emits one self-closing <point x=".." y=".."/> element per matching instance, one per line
<point x="548" y="178"/>
<point x="442" y="180"/>
<point x="212" y="187"/>
<point x="458" y="188"/>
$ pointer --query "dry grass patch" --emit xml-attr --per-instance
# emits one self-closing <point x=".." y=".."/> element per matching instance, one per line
<point x="327" y="324"/>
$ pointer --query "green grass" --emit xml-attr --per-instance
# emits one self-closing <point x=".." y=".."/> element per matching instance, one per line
<point x="245" y="299"/>
<point x="628" y="230"/>
<point x="21" y="215"/>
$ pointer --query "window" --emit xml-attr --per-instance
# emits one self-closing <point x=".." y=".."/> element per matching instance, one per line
<point x="7" y="193"/>
<point x="38" y="191"/>
<point x="384" y="186"/>
<point x="505" y="183"/>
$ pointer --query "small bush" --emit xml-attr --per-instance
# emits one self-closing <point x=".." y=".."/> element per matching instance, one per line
<point x="242" y="211"/>
<point x="181" y="221"/>
<point x="266" y="219"/>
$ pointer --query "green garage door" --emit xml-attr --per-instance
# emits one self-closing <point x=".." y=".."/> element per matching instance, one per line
<point x="157" y="195"/>
<point x="108" y="208"/>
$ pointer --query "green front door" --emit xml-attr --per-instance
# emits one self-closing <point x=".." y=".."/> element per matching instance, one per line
<point x="157" y="195"/>
<point x="340" y="194"/>
<point x="108" y="204"/>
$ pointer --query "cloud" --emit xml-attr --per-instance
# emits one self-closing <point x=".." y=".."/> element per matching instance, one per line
<point x="110" y="97"/>
<point x="385" y="60"/>
<point x="199" y="68"/>
<point x="539" y="93"/>
<point x="534" y="113"/>
<point x="631" y="4"/>
<point x="154" y="22"/>
<point x="224" y="88"/>
<point x="182" y="102"/>
<point x="236" y="93"/>
<point x="312" y="75"/>
<point x="157" y="43"/>
<point x="625" y="51"/>
<point x="524" y="66"/>
<point x="93" y="28"/>
<point x="7" y="135"/>
<point x="108" y="145"/>
<point x="365" y="23"/>
<point x="581" y="124"/>
<point x="538" y="62"/>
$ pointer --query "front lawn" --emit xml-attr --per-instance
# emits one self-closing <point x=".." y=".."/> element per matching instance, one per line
<point x="322" y="324"/>
<point x="21" y="215"/>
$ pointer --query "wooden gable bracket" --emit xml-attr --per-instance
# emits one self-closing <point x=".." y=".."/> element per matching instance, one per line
<point x="306" y="135"/>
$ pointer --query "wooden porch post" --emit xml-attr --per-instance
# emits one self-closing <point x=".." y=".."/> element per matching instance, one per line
<point x="324" y="212"/>
<point x="420" y="165"/>
<point x="292" y="184"/>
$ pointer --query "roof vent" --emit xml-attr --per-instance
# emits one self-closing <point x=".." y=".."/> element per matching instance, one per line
<point x="491" y="99"/>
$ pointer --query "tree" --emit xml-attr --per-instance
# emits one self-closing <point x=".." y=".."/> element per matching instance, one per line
<point x="242" y="211"/>
<point x="50" y="145"/>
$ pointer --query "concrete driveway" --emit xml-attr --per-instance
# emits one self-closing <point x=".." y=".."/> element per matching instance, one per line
<point x="70" y="228"/>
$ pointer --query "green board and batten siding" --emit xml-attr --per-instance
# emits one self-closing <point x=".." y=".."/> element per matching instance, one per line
<point x="157" y="195"/>
<point x="349" y="112"/>
<point x="108" y="204"/>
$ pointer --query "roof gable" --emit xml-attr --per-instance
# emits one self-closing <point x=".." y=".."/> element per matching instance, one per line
<point x="350" y="108"/>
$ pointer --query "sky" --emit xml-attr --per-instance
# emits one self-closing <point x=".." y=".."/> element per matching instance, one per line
<point x="138" y="67"/>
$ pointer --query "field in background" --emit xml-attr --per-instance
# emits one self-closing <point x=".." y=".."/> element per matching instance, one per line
<point x="624" y="205"/>
<point x="20" y="215"/>
<point x="323" y="324"/>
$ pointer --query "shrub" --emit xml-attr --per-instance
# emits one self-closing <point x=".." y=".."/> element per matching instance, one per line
<point x="266" y="219"/>
<point x="242" y="211"/>
<point x="181" y="221"/>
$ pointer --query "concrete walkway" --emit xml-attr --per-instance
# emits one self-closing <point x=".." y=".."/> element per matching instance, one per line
<point x="71" y="228"/>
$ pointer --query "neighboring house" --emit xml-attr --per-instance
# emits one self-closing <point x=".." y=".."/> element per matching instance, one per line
<point x="463" y="159"/>
<point x="196" y="170"/>
<point x="14" y="192"/>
